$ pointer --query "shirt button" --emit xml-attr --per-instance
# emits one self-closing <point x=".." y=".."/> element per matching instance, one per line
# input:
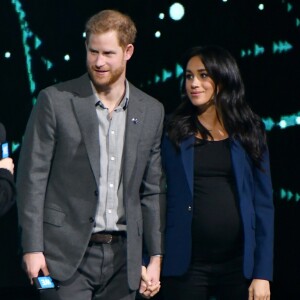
<point x="109" y="211"/>
<point x="111" y="185"/>
<point x="92" y="220"/>
<point x="112" y="158"/>
<point x="189" y="208"/>
<point x="112" y="132"/>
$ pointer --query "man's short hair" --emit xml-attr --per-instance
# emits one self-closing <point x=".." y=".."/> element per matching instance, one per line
<point x="112" y="20"/>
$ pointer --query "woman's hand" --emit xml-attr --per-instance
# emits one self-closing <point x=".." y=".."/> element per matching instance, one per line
<point x="259" y="290"/>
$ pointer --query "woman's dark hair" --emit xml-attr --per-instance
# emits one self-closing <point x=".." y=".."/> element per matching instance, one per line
<point x="233" y="111"/>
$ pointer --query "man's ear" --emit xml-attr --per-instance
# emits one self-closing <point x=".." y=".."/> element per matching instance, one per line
<point x="128" y="51"/>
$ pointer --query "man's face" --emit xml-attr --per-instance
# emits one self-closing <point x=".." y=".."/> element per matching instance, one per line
<point x="106" y="60"/>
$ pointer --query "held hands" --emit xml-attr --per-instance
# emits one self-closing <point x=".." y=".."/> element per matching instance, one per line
<point x="259" y="290"/>
<point x="150" y="284"/>
<point x="7" y="163"/>
<point x="34" y="263"/>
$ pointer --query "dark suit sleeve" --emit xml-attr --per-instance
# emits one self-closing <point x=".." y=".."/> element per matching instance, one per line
<point x="33" y="170"/>
<point x="264" y="221"/>
<point x="7" y="191"/>
<point x="153" y="196"/>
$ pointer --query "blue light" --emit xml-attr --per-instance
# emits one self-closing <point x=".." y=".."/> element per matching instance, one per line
<point x="67" y="57"/>
<point x="176" y="11"/>
<point x="282" y="124"/>
<point x="157" y="34"/>
<point x="261" y="6"/>
<point x="281" y="47"/>
<point x="161" y="16"/>
<point x="7" y="54"/>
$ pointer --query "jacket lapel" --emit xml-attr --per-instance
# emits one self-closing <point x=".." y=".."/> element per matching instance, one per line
<point x="238" y="163"/>
<point x="187" y="156"/>
<point x="134" y="125"/>
<point x="84" y="107"/>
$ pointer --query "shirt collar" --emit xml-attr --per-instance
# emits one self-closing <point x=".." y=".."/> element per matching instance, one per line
<point x="124" y="102"/>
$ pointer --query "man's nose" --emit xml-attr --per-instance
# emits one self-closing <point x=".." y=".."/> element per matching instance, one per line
<point x="99" y="60"/>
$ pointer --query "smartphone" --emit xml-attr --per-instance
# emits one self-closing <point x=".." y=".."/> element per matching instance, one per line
<point x="4" y="150"/>
<point x="44" y="282"/>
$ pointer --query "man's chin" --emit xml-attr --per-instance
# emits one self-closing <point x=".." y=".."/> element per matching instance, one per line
<point x="100" y="84"/>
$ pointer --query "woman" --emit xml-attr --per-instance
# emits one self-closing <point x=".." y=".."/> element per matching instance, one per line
<point x="219" y="233"/>
<point x="7" y="185"/>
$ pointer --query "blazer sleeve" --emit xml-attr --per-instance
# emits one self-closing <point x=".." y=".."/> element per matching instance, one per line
<point x="152" y="195"/>
<point x="33" y="170"/>
<point x="264" y="220"/>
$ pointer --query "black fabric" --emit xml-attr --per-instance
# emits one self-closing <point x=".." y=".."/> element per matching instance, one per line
<point x="225" y="281"/>
<point x="7" y="191"/>
<point x="216" y="229"/>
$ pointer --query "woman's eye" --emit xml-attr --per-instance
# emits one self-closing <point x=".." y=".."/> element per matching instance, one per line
<point x="188" y="76"/>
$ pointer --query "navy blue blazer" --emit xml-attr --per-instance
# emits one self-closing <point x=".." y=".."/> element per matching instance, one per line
<point x="254" y="192"/>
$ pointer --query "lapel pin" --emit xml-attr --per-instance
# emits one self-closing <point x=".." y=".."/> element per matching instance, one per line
<point x="134" y="120"/>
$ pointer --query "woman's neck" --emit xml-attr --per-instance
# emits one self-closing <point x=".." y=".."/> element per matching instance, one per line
<point x="210" y="120"/>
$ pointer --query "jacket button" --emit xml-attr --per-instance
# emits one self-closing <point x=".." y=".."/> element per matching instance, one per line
<point x="92" y="220"/>
<point x="189" y="208"/>
<point x="96" y="193"/>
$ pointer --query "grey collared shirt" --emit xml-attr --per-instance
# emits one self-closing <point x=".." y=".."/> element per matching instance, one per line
<point x="110" y="215"/>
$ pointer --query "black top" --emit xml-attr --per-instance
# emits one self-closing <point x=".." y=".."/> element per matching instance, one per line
<point x="216" y="229"/>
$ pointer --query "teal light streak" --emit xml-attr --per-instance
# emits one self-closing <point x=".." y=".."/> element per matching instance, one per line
<point x="26" y="34"/>
<point x="284" y="122"/>
<point x="287" y="195"/>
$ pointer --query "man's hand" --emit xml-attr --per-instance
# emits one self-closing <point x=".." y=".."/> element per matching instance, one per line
<point x="150" y="284"/>
<point x="7" y="163"/>
<point x="259" y="290"/>
<point x="34" y="263"/>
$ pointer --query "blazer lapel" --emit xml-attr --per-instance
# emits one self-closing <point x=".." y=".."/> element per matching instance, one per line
<point x="84" y="107"/>
<point x="187" y="156"/>
<point x="134" y="125"/>
<point x="238" y="163"/>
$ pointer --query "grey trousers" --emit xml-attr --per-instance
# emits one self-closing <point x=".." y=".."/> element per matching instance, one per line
<point x="101" y="275"/>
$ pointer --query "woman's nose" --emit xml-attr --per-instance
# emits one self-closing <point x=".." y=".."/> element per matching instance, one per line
<point x="195" y="82"/>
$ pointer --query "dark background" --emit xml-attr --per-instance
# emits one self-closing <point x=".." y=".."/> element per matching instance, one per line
<point x="271" y="80"/>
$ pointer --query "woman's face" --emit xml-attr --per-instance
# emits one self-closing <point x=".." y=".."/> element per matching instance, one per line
<point x="199" y="86"/>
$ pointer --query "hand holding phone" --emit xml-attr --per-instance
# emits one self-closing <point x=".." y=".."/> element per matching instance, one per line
<point x="7" y="163"/>
<point x="44" y="282"/>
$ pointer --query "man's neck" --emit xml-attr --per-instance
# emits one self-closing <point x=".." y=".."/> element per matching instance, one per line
<point x="112" y="96"/>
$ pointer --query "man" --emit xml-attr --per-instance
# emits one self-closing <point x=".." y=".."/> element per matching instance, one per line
<point x="90" y="180"/>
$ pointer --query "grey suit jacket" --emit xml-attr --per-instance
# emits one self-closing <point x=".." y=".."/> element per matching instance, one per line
<point x="58" y="177"/>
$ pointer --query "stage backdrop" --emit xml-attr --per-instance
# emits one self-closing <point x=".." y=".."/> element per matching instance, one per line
<point x="42" y="42"/>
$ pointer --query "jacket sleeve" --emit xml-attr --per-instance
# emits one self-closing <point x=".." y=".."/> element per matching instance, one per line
<point x="152" y="195"/>
<point x="7" y="191"/>
<point x="33" y="170"/>
<point x="264" y="220"/>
